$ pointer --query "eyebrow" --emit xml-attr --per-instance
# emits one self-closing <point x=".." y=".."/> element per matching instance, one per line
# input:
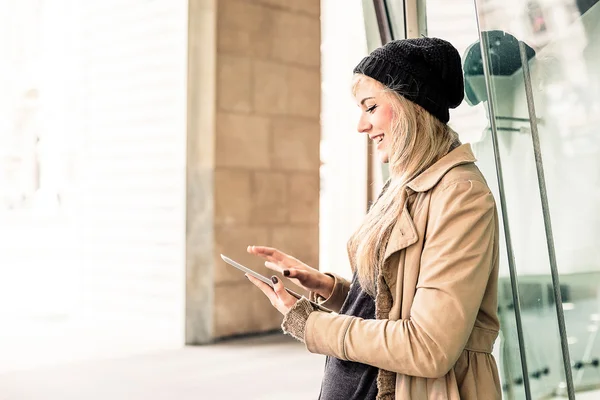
<point x="362" y="102"/>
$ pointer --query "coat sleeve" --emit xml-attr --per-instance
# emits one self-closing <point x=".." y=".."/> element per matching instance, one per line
<point x="456" y="262"/>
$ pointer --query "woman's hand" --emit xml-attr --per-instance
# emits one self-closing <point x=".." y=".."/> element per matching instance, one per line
<point x="295" y="270"/>
<point x="279" y="297"/>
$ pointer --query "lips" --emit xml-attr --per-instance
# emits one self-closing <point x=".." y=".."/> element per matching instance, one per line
<point x="377" y="138"/>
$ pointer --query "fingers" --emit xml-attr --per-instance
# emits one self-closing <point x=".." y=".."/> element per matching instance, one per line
<point x="278" y="286"/>
<point x="290" y="273"/>
<point x="294" y="273"/>
<point x="301" y="275"/>
<point x="273" y="266"/>
<point x="263" y="251"/>
<point x="270" y="253"/>
<point x="266" y="289"/>
<point x="281" y="293"/>
<point x="278" y="296"/>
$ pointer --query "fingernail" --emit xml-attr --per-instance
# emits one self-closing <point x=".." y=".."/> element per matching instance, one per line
<point x="275" y="280"/>
<point x="286" y="272"/>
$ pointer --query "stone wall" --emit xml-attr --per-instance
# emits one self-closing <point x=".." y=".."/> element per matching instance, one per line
<point x="253" y="154"/>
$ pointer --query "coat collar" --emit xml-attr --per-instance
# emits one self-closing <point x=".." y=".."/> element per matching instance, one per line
<point x="432" y="175"/>
<point x="404" y="233"/>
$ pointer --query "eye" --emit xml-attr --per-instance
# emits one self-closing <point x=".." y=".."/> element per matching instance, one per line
<point x="371" y="109"/>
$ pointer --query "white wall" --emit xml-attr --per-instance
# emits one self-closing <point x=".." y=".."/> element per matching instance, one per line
<point x="92" y="259"/>
<point x="343" y="149"/>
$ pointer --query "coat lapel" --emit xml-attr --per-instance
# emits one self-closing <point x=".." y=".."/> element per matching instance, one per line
<point x="404" y="233"/>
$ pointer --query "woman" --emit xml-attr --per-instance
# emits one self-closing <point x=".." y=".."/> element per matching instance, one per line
<point x="419" y="319"/>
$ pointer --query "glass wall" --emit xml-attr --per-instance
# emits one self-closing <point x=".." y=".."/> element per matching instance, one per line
<point x="542" y="75"/>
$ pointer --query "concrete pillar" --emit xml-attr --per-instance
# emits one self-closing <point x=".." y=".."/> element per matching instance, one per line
<point x="253" y="154"/>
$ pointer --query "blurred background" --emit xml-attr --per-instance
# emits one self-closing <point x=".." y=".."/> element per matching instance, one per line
<point x="139" y="139"/>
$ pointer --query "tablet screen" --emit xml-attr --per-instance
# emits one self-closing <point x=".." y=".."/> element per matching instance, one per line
<point x="247" y="270"/>
<point x="267" y="280"/>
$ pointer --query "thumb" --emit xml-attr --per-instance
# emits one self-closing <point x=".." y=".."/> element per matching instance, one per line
<point x="278" y="286"/>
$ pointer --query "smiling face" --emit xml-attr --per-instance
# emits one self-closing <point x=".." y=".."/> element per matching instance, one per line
<point x="376" y="116"/>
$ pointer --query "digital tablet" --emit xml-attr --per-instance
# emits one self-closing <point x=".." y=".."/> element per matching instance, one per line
<point x="267" y="280"/>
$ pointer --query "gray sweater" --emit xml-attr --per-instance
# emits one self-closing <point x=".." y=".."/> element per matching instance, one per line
<point x="347" y="380"/>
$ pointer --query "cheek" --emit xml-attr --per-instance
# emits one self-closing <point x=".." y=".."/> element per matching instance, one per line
<point x="383" y="119"/>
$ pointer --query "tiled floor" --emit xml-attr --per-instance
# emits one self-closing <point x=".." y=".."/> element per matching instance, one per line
<point x="272" y="367"/>
<point x="265" y="368"/>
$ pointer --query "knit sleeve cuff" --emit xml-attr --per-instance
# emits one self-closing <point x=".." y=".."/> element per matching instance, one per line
<point x="294" y="322"/>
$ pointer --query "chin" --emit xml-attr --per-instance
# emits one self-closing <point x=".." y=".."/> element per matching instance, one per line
<point x="384" y="158"/>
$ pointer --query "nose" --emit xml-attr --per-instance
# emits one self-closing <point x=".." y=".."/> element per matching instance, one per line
<point x="364" y="125"/>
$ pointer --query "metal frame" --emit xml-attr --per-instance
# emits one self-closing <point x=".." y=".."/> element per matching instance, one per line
<point x="386" y="34"/>
<point x="383" y="20"/>
<point x="415" y="19"/>
<point x="539" y="166"/>
<point x="507" y="237"/>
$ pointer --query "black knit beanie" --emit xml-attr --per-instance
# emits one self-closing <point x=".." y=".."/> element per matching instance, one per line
<point x="426" y="71"/>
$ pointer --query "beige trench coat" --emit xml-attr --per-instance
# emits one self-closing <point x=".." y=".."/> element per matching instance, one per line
<point x="437" y="293"/>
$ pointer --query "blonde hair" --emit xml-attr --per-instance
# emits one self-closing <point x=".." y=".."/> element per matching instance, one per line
<point x="418" y="140"/>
